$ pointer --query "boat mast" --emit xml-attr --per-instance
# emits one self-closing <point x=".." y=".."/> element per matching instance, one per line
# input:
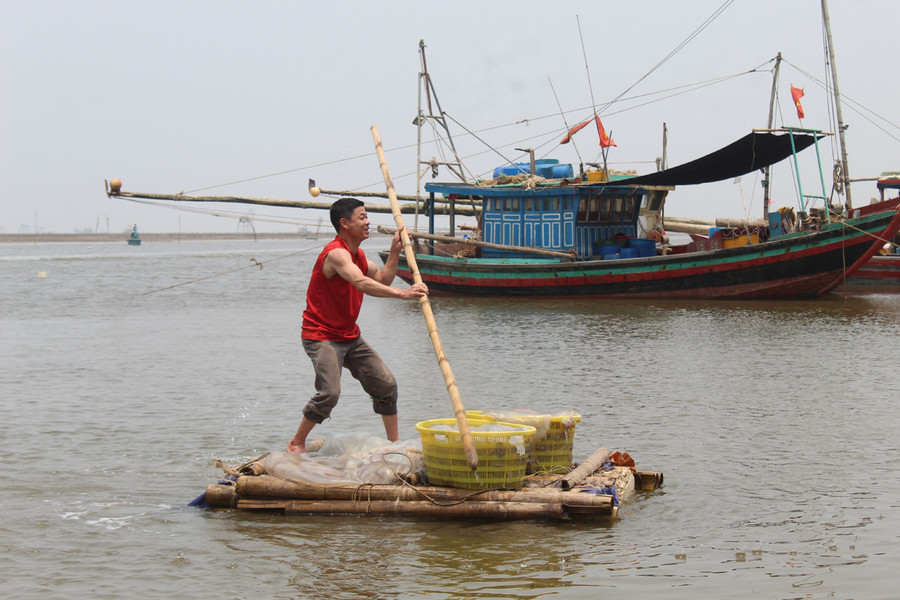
<point x="421" y="118"/>
<point x="845" y="170"/>
<point x="767" y="180"/>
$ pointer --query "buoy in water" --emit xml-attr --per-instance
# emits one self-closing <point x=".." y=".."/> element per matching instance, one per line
<point x="42" y="275"/>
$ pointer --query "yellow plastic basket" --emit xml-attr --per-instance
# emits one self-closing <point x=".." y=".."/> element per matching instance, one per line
<point x="553" y="452"/>
<point x="502" y="455"/>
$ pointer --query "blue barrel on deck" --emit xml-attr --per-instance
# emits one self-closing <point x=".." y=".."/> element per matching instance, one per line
<point x="511" y="171"/>
<point x="548" y="168"/>
<point x="555" y="171"/>
<point x="644" y="247"/>
<point x="605" y="249"/>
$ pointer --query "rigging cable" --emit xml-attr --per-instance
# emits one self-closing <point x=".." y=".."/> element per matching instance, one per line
<point x="253" y="261"/>
<point x="677" y="49"/>
<point x="221" y="213"/>
<point x="854" y="105"/>
<point x="565" y="122"/>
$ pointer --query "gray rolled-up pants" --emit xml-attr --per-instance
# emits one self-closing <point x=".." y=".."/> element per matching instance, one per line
<point x="328" y="358"/>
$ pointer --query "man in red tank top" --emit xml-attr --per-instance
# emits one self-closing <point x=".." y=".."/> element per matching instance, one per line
<point x="341" y="277"/>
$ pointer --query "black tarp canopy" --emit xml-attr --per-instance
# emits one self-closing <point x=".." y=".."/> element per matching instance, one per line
<point x="754" y="151"/>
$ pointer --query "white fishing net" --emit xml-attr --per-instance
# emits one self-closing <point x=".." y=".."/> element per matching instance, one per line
<point x="351" y="458"/>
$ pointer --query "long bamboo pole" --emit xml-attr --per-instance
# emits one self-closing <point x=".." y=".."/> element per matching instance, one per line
<point x="449" y="379"/>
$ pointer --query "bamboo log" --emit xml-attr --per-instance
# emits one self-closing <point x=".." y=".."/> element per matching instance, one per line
<point x="702" y="226"/>
<point x="646" y="480"/>
<point x="497" y="510"/>
<point x="404" y="198"/>
<point x="372" y="208"/>
<point x="449" y="379"/>
<point x="219" y="495"/>
<point x="579" y="473"/>
<point x="261" y="504"/>
<point x="443" y="502"/>
<point x="480" y="244"/>
<point x="273" y="487"/>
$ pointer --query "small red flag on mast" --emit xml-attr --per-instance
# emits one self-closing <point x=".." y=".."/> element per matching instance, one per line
<point x="573" y="131"/>
<point x="796" y="94"/>
<point x="605" y="140"/>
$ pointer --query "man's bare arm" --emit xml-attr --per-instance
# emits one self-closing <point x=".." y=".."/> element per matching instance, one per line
<point x="340" y="262"/>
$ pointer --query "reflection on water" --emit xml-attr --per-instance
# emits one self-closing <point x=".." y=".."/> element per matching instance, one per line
<point x="774" y="423"/>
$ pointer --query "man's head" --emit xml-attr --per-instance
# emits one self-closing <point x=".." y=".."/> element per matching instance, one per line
<point x="343" y="209"/>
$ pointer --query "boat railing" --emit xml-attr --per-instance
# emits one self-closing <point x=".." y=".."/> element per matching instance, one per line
<point x="804" y="205"/>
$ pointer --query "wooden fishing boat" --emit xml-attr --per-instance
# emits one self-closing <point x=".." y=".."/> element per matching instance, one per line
<point x="601" y="229"/>
<point x="593" y="489"/>
<point x="605" y="236"/>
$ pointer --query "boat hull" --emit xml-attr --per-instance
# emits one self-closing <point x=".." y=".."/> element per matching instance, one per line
<point x="880" y="273"/>
<point x="800" y="265"/>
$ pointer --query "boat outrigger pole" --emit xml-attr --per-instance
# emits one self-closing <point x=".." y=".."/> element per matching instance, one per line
<point x="114" y="190"/>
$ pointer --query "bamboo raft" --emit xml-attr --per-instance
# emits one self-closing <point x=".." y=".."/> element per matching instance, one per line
<point x="587" y="491"/>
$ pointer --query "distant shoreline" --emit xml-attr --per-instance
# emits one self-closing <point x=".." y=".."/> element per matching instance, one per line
<point x="149" y="237"/>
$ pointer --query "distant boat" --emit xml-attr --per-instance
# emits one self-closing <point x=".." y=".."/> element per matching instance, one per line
<point x="881" y="273"/>
<point x="135" y="239"/>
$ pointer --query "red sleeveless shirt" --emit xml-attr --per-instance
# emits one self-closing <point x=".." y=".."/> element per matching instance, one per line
<point x="332" y="305"/>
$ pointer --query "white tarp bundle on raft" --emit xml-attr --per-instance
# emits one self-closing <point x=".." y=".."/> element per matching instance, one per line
<point x="539" y="420"/>
<point x="352" y="458"/>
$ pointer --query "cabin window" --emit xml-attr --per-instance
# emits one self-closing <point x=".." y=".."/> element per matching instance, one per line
<point x="528" y="204"/>
<point x="582" y="209"/>
<point x="594" y="210"/>
<point x="618" y="204"/>
<point x="629" y="208"/>
<point x="545" y="203"/>
<point x="605" y="208"/>
<point x="515" y="205"/>
<point x="556" y="205"/>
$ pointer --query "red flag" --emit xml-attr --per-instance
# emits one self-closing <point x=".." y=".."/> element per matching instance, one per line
<point x="605" y="141"/>
<point x="573" y="131"/>
<point x="796" y="94"/>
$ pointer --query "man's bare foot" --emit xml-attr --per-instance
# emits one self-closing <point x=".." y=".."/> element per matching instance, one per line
<point x="296" y="448"/>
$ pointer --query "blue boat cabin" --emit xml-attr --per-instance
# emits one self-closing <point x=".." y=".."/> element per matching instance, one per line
<point x="591" y="219"/>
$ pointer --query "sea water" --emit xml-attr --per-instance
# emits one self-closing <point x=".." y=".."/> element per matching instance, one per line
<point x="126" y="371"/>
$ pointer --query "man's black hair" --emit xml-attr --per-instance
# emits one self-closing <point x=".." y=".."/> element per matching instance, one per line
<point x="343" y="209"/>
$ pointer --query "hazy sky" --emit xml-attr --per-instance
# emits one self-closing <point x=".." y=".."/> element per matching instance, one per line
<point x="188" y="96"/>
